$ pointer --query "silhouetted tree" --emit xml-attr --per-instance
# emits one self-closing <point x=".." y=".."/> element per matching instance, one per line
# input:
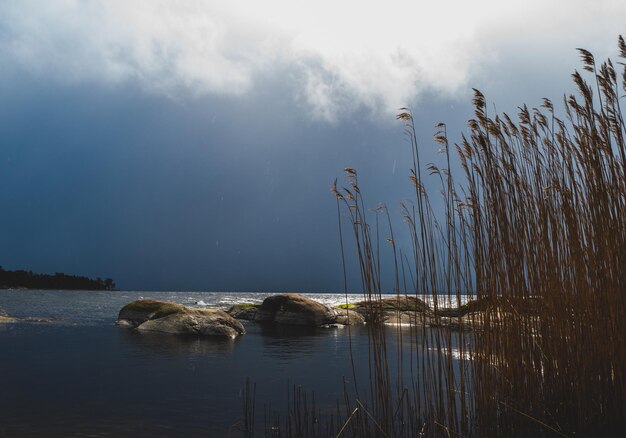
<point x="30" y="280"/>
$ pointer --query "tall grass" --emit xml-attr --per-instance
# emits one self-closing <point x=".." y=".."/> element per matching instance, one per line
<point x="534" y="227"/>
<point x="546" y="207"/>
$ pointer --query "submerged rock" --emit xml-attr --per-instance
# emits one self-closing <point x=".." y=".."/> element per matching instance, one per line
<point x="167" y="317"/>
<point x="294" y="309"/>
<point x="5" y="318"/>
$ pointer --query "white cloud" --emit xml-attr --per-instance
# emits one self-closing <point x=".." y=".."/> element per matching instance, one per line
<point x="347" y="54"/>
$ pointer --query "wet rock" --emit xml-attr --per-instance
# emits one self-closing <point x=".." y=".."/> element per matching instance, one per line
<point x="5" y="318"/>
<point x="394" y="310"/>
<point x="39" y="319"/>
<point x="294" y="309"/>
<point x="497" y="304"/>
<point x="244" y="311"/>
<point x="348" y="317"/>
<point x="203" y="322"/>
<point x="173" y="318"/>
<point x="136" y="313"/>
<point x="396" y="317"/>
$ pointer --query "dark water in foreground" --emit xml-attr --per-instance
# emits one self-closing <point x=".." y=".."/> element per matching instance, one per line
<point x="83" y="376"/>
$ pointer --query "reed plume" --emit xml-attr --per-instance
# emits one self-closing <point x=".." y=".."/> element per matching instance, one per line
<point x="533" y="234"/>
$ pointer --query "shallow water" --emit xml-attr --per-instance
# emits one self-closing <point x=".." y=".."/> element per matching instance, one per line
<point x="83" y="376"/>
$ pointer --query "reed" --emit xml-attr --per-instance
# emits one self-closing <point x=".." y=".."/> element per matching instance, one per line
<point x="547" y="209"/>
<point x="534" y="228"/>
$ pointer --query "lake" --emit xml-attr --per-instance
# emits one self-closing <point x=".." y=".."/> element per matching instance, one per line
<point x="83" y="376"/>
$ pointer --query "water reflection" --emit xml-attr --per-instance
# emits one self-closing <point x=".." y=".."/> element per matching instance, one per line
<point x="287" y="343"/>
<point x="280" y="331"/>
<point x="177" y="345"/>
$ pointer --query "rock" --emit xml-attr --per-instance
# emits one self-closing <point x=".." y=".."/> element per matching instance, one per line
<point x="348" y="317"/>
<point x="495" y="305"/>
<point x="404" y="303"/>
<point x="396" y="317"/>
<point x="125" y="323"/>
<point x="244" y="311"/>
<point x="140" y="311"/>
<point x="39" y="319"/>
<point x="204" y="322"/>
<point x="5" y="318"/>
<point x="394" y="310"/>
<point x="167" y="317"/>
<point x="294" y="309"/>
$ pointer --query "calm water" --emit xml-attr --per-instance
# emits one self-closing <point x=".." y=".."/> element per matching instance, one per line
<point x="83" y="376"/>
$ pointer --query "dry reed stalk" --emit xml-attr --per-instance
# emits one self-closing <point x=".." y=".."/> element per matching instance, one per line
<point x="536" y="231"/>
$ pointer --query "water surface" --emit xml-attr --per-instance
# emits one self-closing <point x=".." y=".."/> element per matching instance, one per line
<point x="80" y="375"/>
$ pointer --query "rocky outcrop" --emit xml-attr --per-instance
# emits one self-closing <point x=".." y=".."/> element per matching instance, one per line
<point x="167" y="317"/>
<point x="5" y="318"/>
<point x="395" y="317"/>
<point x="348" y="317"/>
<point x="294" y="309"/>
<point x="203" y="322"/>
<point x="394" y="310"/>
<point x="495" y="305"/>
<point x="244" y="311"/>
<point x="136" y="313"/>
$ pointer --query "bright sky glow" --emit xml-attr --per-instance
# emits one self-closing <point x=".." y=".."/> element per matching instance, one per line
<point x="343" y="54"/>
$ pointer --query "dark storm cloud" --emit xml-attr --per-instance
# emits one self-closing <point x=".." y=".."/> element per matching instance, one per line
<point x="219" y="193"/>
<point x="193" y="148"/>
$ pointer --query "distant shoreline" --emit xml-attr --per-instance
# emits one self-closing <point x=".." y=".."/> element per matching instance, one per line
<point x="28" y="280"/>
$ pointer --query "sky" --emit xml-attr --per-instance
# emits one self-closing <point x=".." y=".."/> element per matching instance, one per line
<point x="191" y="145"/>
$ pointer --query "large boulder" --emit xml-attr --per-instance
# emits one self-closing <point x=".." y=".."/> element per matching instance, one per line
<point x="348" y="317"/>
<point x="406" y="317"/>
<point x="136" y="313"/>
<point x="402" y="309"/>
<point x="294" y="309"/>
<point x="244" y="311"/>
<point x="167" y="317"/>
<point x="203" y="322"/>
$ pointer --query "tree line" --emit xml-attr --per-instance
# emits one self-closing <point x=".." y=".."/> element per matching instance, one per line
<point x="30" y="280"/>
